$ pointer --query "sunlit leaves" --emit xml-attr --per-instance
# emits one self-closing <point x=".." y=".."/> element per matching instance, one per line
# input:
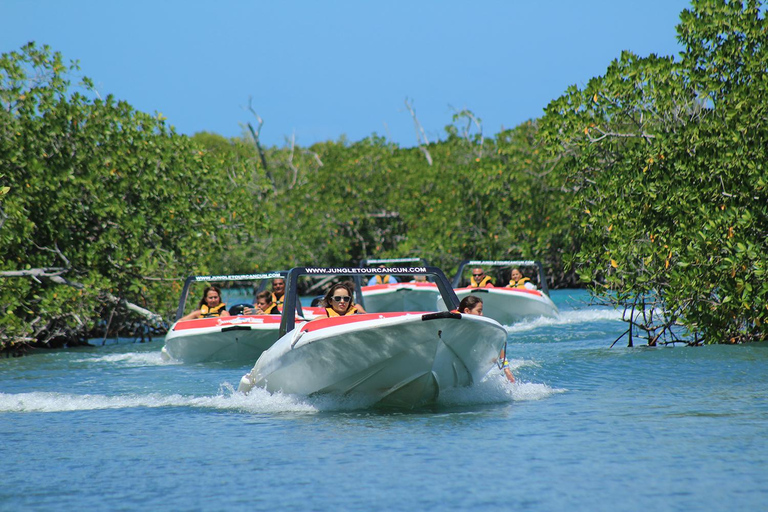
<point x="109" y="194"/>
<point x="671" y="171"/>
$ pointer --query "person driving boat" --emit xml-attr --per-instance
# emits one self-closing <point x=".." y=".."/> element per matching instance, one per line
<point x="479" y="279"/>
<point x="338" y="301"/>
<point x="210" y="305"/>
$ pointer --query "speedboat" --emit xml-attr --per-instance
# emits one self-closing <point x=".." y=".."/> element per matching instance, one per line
<point x="508" y="305"/>
<point x="401" y="296"/>
<point x="238" y="338"/>
<point x="398" y="359"/>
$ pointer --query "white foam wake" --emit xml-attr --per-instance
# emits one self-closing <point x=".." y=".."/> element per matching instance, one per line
<point x="130" y="359"/>
<point x="493" y="389"/>
<point x="567" y="318"/>
<point x="257" y="401"/>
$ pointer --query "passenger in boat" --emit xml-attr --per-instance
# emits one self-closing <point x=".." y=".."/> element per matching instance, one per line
<point x="210" y="305"/>
<point x="471" y="305"/>
<point x="338" y="301"/>
<point x="382" y="279"/>
<point x="478" y="279"/>
<point x="278" y="293"/>
<point x="264" y="305"/>
<point x="519" y="281"/>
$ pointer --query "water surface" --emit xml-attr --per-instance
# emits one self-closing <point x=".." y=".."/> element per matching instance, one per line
<point x="587" y="427"/>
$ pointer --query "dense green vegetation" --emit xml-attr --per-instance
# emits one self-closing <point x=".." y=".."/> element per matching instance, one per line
<point x="104" y="206"/>
<point x="649" y="182"/>
<point x="669" y="162"/>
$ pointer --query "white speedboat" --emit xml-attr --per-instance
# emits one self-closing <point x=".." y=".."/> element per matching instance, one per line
<point x="392" y="297"/>
<point x="240" y="338"/>
<point x="401" y="296"/>
<point x="237" y="338"/>
<point x="504" y="304"/>
<point x="401" y="359"/>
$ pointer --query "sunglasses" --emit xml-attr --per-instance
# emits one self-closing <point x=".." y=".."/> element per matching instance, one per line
<point x="339" y="298"/>
<point x="476" y="275"/>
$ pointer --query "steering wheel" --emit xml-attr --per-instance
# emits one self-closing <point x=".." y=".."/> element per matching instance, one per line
<point x="238" y="309"/>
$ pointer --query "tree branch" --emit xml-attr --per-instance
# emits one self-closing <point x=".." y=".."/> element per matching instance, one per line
<point x="421" y="136"/>
<point x="255" y="134"/>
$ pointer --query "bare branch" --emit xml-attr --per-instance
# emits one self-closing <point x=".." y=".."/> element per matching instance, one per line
<point x="255" y="134"/>
<point x="421" y="136"/>
<point x="136" y="309"/>
<point x="51" y="274"/>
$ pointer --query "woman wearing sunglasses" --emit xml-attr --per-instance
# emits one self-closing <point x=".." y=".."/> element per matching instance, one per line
<point x="338" y="301"/>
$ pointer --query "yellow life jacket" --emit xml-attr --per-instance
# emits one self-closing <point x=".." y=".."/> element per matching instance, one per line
<point x="382" y="279"/>
<point x="482" y="284"/>
<point x="278" y="303"/>
<point x="206" y="312"/>
<point x="332" y="312"/>
<point x="272" y="309"/>
<point x="520" y="283"/>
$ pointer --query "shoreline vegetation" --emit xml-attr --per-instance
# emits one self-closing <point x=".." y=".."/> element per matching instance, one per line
<point x="648" y="185"/>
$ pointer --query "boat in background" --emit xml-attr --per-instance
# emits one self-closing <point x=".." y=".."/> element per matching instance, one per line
<point x="238" y="338"/>
<point x="401" y="296"/>
<point x="398" y="359"/>
<point x="508" y="305"/>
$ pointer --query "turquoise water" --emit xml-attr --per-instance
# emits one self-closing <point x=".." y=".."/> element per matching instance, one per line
<point x="587" y="427"/>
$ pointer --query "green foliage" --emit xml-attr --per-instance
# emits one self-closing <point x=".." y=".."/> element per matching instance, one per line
<point x="480" y="198"/>
<point x="650" y="182"/>
<point x="103" y="195"/>
<point x="668" y="161"/>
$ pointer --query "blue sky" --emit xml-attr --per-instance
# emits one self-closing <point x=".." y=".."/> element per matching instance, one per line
<point x="319" y="70"/>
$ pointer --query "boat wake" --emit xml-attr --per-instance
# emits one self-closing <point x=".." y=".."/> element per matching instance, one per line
<point x="494" y="389"/>
<point x="130" y="359"/>
<point x="566" y="318"/>
<point x="227" y="399"/>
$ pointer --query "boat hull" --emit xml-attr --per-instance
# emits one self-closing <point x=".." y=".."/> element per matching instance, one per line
<point x="393" y="359"/>
<point x="229" y="339"/>
<point x="396" y="297"/>
<point x="510" y="305"/>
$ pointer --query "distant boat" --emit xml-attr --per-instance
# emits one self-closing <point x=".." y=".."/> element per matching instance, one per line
<point x="401" y="296"/>
<point x="504" y="304"/>
<point x="398" y="359"/>
<point x="236" y="338"/>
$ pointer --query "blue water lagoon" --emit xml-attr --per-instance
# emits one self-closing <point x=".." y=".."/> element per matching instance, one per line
<point x="586" y="427"/>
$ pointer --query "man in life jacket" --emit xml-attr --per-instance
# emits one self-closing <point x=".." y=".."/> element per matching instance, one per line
<point x="210" y="305"/>
<point x="382" y="278"/>
<point x="519" y="281"/>
<point x="478" y="279"/>
<point x="278" y="293"/>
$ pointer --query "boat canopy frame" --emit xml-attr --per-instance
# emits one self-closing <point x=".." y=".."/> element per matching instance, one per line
<point x="503" y="263"/>
<point x="262" y="277"/>
<point x="379" y="261"/>
<point x="288" y="321"/>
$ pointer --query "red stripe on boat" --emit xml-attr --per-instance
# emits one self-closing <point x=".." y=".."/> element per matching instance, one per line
<point x="198" y="323"/>
<point x="322" y="323"/>
<point x="501" y="289"/>
<point x="390" y="286"/>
